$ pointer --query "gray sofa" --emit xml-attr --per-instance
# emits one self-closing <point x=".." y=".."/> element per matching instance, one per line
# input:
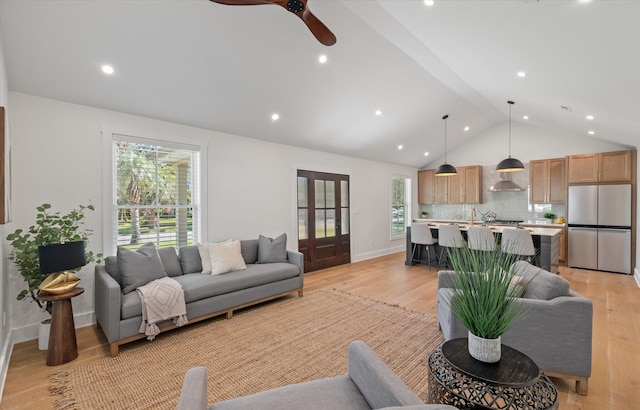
<point x="555" y="331"/>
<point x="370" y="384"/>
<point x="120" y="314"/>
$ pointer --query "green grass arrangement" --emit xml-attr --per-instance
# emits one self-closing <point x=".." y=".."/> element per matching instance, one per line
<point x="484" y="298"/>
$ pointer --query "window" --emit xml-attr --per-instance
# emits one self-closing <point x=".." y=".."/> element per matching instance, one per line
<point x="400" y="208"/>
<point x="155" y="193"/>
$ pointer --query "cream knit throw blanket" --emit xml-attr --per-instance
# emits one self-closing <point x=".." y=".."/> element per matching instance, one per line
<point x="162" y="299"/>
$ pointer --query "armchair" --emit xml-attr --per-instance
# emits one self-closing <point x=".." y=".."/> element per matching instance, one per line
<point x="555" y="330"/>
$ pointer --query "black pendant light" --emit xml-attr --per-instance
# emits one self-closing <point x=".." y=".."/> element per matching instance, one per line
<point x="445" y="169"/>
<point x="510" y="164"/>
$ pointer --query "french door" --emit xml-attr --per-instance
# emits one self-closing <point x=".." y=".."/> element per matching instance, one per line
<point x="323" y="219"/>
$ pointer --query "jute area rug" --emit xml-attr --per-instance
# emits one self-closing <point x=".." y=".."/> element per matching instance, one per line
<point x="282" y="342"/>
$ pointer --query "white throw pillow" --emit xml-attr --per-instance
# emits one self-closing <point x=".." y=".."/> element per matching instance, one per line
<point x="225" y="257"/>
<point x="203" y="249"/>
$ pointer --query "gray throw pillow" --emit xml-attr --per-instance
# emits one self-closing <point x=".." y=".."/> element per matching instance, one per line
<point x="137" y="268"/>
<point x="272" y="250"/>
<point x="170" y="261"/>
<point x="111" y="265"/>
<point x="190" y="261"/>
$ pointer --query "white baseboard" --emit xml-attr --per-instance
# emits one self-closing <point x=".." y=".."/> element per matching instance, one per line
<point x="375" y="254"/>
<point x="30" y="332"/>
<point x="636" y="276"/>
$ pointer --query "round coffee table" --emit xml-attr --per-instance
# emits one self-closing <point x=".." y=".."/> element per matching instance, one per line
<point x="515" y="382"/>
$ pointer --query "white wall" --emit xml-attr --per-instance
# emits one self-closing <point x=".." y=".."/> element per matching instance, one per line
<point x="57" y="158"/>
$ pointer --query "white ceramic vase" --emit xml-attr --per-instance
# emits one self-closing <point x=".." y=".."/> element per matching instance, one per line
<point x="485" y="350"/>
<point x="43" y="335"/>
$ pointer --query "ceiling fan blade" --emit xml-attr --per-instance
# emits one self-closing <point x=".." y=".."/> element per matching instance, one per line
<point x="318" y="29"/>
<point x="242" y="2"/>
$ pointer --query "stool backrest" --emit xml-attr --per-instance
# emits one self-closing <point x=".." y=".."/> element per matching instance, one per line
<point x="421" y="234"/>
<point x="450" y="236"/>
<point x="481" y="238"/>
<point x="518" y="242"/>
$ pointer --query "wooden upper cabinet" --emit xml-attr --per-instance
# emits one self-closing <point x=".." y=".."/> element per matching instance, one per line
<point x="463" y="188"/>
<point x="425" y="186"/>
<point x="616" y="166"/>
<point x="547" y="183"/>
<point x="472" y="180"/>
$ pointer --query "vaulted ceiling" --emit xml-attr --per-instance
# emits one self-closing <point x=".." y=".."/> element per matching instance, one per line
<point x="229" y="68"/>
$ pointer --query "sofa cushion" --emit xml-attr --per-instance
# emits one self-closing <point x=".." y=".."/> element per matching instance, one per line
<point x="249" y="250"/>
<point x="170" y="261"/>
<point x="225" y="257"/>
<point x="541" y="284"/>
<point x="139" y="267"/>
<point x="332" y="393"/>
<point x="111" y="265"/>
<point x="190" y="261"/>
<point x="272" y="250"/>
<point x="198" y="287"/>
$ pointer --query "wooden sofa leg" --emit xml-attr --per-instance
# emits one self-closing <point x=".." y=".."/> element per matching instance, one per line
<point x="113" y="349"/>
<point x="300" y="293"/>
<point x="582" y="386"/>
<point x="229" y="314"/>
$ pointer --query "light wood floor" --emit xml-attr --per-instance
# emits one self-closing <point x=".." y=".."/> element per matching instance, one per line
<point x="615" y="381"/>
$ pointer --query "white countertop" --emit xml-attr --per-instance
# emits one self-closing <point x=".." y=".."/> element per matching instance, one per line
<point x="535" y="229"/>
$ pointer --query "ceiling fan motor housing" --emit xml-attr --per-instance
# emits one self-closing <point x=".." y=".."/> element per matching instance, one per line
<point x="295" y="6"/>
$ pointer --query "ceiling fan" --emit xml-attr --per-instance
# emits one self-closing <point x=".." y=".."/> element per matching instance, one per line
<point x="297" y="7"/>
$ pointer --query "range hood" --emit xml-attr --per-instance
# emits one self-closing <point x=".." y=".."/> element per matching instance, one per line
<point x="505" y="184"/>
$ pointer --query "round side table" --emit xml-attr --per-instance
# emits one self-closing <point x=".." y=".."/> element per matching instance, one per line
<point x="515" y="382"/>
<point x="63" y="346"/>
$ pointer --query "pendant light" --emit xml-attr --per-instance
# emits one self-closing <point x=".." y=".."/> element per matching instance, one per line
<point x="510" y="164"/>
<point x="445" y="169"/>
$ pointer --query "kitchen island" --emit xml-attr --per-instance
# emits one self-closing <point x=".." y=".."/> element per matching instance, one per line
<point x="545" y="240"/>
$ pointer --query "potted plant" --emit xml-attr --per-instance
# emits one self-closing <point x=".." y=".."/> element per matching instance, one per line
<point x="425" y="214"/>
<point x="550" y="217"/>
<point x="49" y="228"/>
<point x="484" y="297"/>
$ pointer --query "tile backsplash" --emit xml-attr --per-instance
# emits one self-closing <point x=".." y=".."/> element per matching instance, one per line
<point x="506" y="205"/>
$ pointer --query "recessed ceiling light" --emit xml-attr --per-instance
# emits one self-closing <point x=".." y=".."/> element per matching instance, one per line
<point x="378" y="112"/>
<point x="426" y="154"/>
<point x="275" y="117"/>
<point x="521" y="74"/>
<point x="592" y="133"/>
<point x="107" y="69"/>
<point x="400" y="147"/>
<point x="467" y="128"/>
<point x="322" y="59"/>
<point x="429" y="2"/>
<point x="590" y="117"/>
<point x="525" y="117"/>
<point x="584" y="1"/>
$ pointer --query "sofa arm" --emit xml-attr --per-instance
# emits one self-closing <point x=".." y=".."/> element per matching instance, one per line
<point x="446" y="279"/>
<point x="193" y="395"/>
<point x="380" y="386"/>
<point x="108" y="303"/>
<point x="297" y="258"/>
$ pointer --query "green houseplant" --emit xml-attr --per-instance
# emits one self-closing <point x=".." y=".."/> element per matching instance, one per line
<point x="49" y="228"/>
<point x="485" y="295"/>
<point x="550" y="217"/>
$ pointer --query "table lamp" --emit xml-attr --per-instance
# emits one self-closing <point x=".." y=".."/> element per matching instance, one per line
<point x="56" y="259"/>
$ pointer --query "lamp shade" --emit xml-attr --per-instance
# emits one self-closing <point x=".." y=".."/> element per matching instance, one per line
<point x="445" y="170"/>
<point x="510" y="165"/>
<point x="59" y="257"/>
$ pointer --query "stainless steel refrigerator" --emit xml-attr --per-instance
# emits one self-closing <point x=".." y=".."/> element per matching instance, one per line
<point x="599" y="227"/>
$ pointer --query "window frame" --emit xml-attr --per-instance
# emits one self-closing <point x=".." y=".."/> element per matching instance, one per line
<point x="109" y="134"/>
<point x="407" y="206"/>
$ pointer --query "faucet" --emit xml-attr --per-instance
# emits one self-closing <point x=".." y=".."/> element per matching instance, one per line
<point x="473" y="215"/>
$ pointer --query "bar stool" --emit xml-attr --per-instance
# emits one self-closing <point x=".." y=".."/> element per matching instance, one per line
<point x="517" y="241"/>
<point x="449" y="236"/>
<point x="421" y="235"/>
<point x="481" y="238"/>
